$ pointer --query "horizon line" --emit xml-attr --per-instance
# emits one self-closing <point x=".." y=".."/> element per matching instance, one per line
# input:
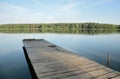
<point x="58" y="23"/>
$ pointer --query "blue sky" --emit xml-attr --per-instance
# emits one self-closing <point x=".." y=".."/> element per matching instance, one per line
<point x="57" y="11"/>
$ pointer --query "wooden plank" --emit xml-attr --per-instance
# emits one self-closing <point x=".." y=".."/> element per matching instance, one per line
<point x="53" y="62"/>
<point x="117" y="77"/>
<point x="107" y="75"/>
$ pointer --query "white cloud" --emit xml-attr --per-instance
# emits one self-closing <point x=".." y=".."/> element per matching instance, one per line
<point x="37" y="2"/>
<point x="69" y="6"/>
<point x="96" y="3"/>
<point x="7" y="7"/>
<point x="16" y="14"/>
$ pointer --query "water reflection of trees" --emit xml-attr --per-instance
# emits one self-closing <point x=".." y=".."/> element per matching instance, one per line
<point x="60" y="30"/>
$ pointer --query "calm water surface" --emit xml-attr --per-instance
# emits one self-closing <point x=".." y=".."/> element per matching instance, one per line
<point x="95" y="47"/>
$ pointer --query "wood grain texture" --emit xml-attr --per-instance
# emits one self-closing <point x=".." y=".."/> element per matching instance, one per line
<point x="53" y="62"/>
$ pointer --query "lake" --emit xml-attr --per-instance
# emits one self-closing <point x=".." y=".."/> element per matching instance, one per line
<point x="13" y="64"/>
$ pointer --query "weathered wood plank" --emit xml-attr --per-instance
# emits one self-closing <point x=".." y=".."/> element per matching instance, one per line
<point x="52" y="62"/>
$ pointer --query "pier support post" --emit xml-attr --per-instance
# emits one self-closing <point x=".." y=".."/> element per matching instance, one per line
<point x="108" y="59"/>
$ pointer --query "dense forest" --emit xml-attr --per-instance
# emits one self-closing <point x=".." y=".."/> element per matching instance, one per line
<point x="86" y="28"/>
<point x="63" y="25"/>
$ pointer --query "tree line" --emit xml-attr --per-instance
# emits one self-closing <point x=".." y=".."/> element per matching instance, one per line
<point x="76" y="28"/>
<point x="87" y="26"/>
<point x="60" y="30"/>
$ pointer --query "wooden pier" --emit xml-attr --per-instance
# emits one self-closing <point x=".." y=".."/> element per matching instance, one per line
<point x="48" y="61"/>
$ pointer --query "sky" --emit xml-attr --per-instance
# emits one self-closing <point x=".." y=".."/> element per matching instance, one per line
<point x="59" y="11"/>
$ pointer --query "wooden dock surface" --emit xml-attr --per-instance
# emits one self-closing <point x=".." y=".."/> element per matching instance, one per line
<point x="52" y="62"/>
